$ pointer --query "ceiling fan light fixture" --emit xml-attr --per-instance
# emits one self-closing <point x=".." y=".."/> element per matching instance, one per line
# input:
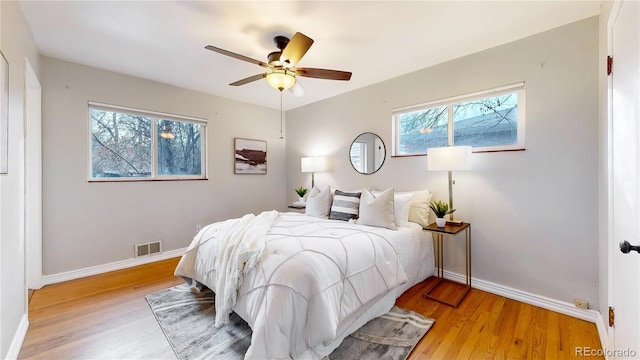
<point x="166" y="133"/>
<point x="281" y="65"/>
<point x="281" y="79"/>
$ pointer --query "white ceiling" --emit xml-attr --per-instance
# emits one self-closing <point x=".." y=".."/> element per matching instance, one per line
<point x="164" y="40"/>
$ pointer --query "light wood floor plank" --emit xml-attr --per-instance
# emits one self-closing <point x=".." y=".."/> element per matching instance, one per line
<point x="106" y="317"/>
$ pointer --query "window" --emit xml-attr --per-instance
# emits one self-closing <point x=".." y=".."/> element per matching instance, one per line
<point x="358" y="156"/>
<point x="130" y="144"/>
<point x="491" y="120"/>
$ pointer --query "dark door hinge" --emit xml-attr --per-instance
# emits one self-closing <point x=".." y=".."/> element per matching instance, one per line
<point x="612" y="316"/>
<point x="609" y="65"/>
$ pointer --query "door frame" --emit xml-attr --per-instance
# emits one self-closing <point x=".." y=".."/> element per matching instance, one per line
<point x="33" y="177"/>
<point x="610" y="334"/>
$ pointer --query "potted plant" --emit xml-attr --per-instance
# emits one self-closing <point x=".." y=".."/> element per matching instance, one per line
<point x="301" y="192"/>
<point x="441" y="209"/>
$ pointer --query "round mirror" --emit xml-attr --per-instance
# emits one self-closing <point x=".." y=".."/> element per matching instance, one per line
<point x="367" y="153"/>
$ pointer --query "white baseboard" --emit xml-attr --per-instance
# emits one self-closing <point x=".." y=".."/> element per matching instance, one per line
<point x="18" y="338"/>
<point x="118" y="265"/>
<point x="528" y="298"/>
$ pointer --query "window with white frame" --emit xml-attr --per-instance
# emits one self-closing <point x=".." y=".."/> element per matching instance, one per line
<point x="358" y="156"/>
<point x="131" y="144"/>
<point x="491" y="120"/>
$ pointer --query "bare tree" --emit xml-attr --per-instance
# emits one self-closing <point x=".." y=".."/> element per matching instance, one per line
<point x="121" y="144"/>
<point x="477" y="123"/>
<point x="181" y="154"/>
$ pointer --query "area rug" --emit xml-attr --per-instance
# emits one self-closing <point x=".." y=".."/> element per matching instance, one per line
<point x="187" y="319"/>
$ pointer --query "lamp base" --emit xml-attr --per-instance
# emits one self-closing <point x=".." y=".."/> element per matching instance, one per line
<point x="455" y="222"/>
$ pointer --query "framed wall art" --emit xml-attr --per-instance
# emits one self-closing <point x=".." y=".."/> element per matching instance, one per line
<point x="4" y="115"/>
<point x="250" y="156"/>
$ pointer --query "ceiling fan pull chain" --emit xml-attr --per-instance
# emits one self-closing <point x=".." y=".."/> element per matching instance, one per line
<point x="281" y="120"/>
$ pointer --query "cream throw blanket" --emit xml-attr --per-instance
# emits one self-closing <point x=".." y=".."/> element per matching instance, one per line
<point x="237" y="248"/>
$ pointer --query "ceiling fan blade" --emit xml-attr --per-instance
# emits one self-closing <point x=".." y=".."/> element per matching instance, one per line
<point x="237" y="56"/>
<point x="296" y="48"/>
<point x="297" y="90"/>
<point x="324" y="74"/>
<point x="248" y="80"/>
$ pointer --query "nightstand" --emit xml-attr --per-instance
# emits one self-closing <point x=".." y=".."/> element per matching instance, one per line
<point x="440" y="232"/>
<point x="298" y="207"/>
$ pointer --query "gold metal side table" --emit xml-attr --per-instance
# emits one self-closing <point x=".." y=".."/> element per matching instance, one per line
<point x="440" y="232"/>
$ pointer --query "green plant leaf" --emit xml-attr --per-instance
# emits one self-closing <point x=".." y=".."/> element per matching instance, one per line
<point x="440" y="208"/>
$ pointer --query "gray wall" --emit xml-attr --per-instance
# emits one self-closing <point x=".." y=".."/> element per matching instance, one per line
<point x="17" y="44"/>
<point x="534" y="213"/>
<point x="87" y="224"/>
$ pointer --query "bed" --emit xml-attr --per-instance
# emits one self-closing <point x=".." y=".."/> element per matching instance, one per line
<point x="305" y="283"/>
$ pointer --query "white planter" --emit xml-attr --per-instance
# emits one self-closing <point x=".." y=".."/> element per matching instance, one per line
<point x="441" y="222"/>
<point x="301" y="199"/>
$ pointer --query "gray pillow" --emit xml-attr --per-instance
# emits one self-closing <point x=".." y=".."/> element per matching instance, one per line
<point x="345" y="206"/>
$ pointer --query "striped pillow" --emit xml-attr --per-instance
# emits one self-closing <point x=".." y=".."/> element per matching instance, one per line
<point x="345" y="206"/>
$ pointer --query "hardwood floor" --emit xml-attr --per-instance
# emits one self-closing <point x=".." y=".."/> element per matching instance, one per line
<point x="488" y="326"/>
<point x="100" y="317"/>
<point x="107" y="317"/>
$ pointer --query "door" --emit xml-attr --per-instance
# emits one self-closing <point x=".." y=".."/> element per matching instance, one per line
<point x="625" y="159"/>
<point x="380" y="153"/>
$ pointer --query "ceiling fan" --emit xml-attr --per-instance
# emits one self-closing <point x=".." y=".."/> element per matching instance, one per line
<point x="281" y="71"/>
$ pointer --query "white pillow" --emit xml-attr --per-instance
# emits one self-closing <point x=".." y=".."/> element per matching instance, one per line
<point x="402" y="204"/>
<point x="402" y="208"/>
<point x="377" y="210"/>
<point x="419" y="210"/>
<point x="319" y="202"/>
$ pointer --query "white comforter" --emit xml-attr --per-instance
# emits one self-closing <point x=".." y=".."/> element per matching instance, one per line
<point x="313" y="277"/>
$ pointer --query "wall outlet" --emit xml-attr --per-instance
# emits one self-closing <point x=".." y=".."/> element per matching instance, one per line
<point x="582" y="304"/>
<point x="198" y="228"/>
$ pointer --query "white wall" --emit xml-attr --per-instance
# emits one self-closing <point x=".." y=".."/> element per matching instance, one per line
<point x="16" y="43"/>
<point x="534" y="213"/>
<point x="87" y="224"/>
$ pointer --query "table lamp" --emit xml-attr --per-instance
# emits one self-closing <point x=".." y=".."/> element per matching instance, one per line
<point x="313" y="164"/>
<point x="449" y="158"/>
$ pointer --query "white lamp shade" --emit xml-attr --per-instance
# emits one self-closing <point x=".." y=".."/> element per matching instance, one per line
<point x="313" y="164"/>
<point x="449" y="158"/>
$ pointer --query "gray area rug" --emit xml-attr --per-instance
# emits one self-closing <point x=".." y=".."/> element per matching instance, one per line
<point x="187" y="321"/>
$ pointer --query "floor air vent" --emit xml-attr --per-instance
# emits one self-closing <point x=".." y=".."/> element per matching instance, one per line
<point x="148" y="248"/>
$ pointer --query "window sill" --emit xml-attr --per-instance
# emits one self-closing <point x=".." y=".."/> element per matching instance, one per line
<point x="139" y="180"/>
<point x="474" y="151"/>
